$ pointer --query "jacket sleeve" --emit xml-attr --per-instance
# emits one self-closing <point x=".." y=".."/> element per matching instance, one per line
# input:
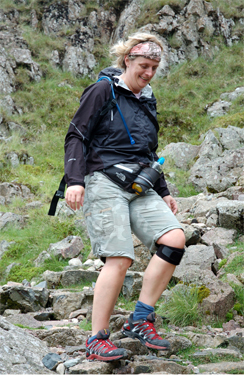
<point x="161" y="186"/>
<point x="91" y="102"/>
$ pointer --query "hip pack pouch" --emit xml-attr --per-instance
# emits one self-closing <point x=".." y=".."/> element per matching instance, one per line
<point x="123" y="175"/>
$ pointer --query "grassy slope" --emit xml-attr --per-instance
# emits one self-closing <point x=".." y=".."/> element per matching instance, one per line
<point x="48" y="109"/>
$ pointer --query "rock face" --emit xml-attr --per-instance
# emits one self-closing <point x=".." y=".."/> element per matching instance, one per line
<point x="190" y="27"/>
<point x="20" y="352"/>
<point x="217" y="164"/>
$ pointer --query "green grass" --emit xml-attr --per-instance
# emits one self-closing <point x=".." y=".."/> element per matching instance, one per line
<point x="181" y="307"/>
<point x="183" y="95"/>
<point x="230" y="8"/>
<point x="237" y="264"/>
<point x="31" y="240"/>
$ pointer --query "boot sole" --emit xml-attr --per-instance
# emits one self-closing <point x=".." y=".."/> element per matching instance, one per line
<point x="144" y="342"/>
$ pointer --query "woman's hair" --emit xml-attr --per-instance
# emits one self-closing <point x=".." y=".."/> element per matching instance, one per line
<point x="122" y="48"/>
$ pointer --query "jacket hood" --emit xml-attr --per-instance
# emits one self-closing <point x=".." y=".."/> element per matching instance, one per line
<point x="110" y="72"/>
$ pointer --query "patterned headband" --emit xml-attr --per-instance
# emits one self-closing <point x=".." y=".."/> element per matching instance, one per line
<point x="149" y="50"/>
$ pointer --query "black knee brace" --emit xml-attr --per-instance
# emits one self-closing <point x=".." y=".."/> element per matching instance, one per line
<point x="170" y="254"/>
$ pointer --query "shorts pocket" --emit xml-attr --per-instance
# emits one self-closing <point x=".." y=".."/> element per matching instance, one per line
<point x="99" y="222"/>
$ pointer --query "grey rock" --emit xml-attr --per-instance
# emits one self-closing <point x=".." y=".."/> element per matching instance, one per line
<point x="23" y="298"/>
<point x="237" y="342"/>
<point x="7" y="76"/>
<point x="11" y="190"/>
<point x="231" y="215"/>
<point x="52" y="278"/>
<point x="132" y="345"/>
<point x="42" y="284"/>
<point x="116" y="322"/>
<point x="132" y="284"/>
<point x="222" y="367"/>
<point x="157" y="365"/>
<point x="65" y="302"/>
<point x="7" y="105"/>
<point x="92" y="368"/>
<point x="142" y="258"/>
<point x="23" y="56"/>
<point x="166" y="11"/>
<point x="44" y="255"/>
<point x="185" y="204"/>
<point x="75" y="262"/>
<point x="231" y="137"/>
<point x="221" y="353"/>
<point x="181" y="153"/>
<point x="78" y="61"/>
<point x="205" y="340"/>
<point x="219" y="108"/>
<point x="210" y="147"/>
<point x="34" y="20"/>
<point x="34" y="204"/>
<point x="62" y="337"/>
<point x="178" y="343"/>
<point x="20" y="352"/>
<point x="220" y="301"/>
<point x="192" y="234"/>
<point x="232" y="279"/>
<point x="220" y="175"/>
<point x="196" y="7"/>
<point x="127" y="20"/>
<point x="68" y="248"/>
<point x="51" y="360"/>
<point x="219" y="235"/>
<point x="71" y="362"/>
<point x="9" y="312"/>
<point x="54" y="59"/>
<point x="9" y="218"/>
<point x="74" y="277"/>
<point x="58" y="17"/>
<point x="221" y="251"/>
<point x="239" y="91"/>
<point x="25" y="320"/>
<point x="196" y="257"/>
<point x="16" y="128"/>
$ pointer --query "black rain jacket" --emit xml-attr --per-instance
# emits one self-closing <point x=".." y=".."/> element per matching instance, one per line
<point x="95" y="142"/>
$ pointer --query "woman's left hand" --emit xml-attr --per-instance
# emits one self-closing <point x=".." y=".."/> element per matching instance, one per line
<point x="171" y="202"/>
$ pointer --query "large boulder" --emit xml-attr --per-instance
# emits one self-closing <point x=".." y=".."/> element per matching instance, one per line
<point x="196" y="258"/>
<point x="20" y="352"/>
<point x="181" y="153"/>
<point x="9" y="218"/>
<point x="11" y="190"/>
<point x="231" y="215"/>
<point x="25" y="299"/>
<point x="220" y="175"/>
<point x="67" y="248"/>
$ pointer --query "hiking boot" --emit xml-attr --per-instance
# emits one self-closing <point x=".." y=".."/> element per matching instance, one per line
<point x="144" y="330"/>
<point x="103" y="349"/>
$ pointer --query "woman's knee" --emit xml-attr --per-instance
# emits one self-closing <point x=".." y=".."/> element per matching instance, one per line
<point x="174" y="238"/>
<point x="171" y="246"/>
<point x="121" y="263"/>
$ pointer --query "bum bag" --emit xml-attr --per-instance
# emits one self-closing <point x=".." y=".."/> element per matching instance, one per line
<point x="123" y="175"/>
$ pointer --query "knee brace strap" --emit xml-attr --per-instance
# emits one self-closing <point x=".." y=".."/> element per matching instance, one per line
<point x="170" y="254"/>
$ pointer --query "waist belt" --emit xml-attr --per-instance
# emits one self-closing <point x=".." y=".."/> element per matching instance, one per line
<point x="123" y="175"/>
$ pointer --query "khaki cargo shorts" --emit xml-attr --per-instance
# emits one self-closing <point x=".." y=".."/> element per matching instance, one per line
<point x="112" y="214"/>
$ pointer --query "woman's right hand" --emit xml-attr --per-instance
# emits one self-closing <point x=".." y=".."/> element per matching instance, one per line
<point x="75" y="196"/>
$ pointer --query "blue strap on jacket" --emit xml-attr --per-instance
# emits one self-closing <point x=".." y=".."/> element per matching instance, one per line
<point x="132" y="142"/>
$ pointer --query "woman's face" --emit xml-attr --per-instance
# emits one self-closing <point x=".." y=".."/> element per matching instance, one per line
<point x="139" y="72"/>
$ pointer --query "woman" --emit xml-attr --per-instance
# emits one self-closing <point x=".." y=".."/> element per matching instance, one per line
<point x="99" y="138"/>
